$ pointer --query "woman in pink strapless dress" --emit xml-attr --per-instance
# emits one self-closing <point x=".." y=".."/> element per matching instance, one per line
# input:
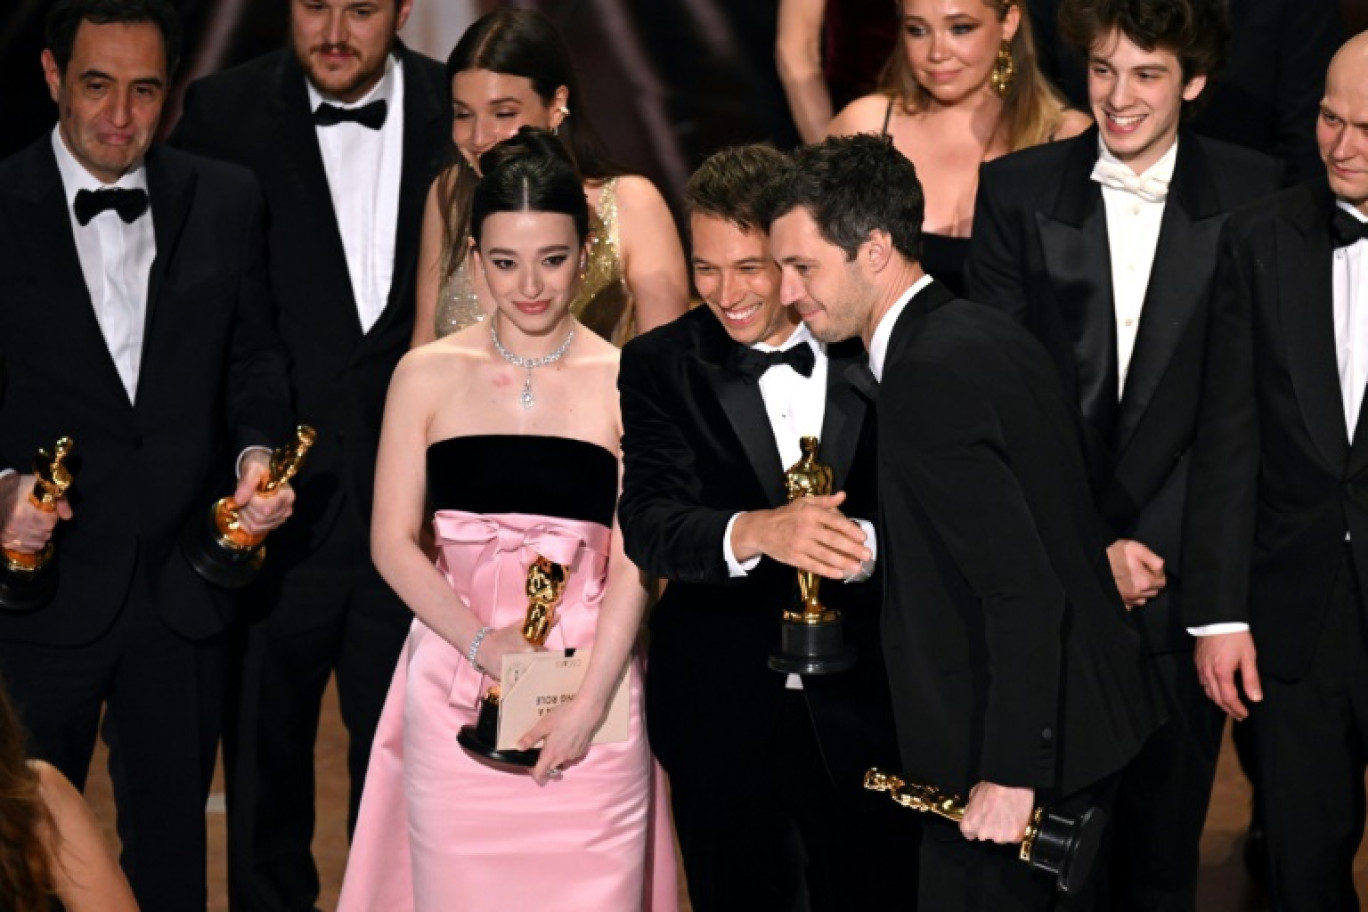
<point x="508" y="482"/>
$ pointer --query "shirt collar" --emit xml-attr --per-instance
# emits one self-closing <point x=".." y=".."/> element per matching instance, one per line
<point x="800" y="334"/>
<point x="381" y="91"/>
<point x="76" y="178"/>
<point x="1351" y="209"/>
<point x="878" y="343"/>
<point x="1162" y="169"/>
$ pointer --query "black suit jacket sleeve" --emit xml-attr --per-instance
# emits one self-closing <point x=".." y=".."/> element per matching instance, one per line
<point x="1218" y="532"/>
<point x="666" y="529"/>
<point x="258" y="394"/>
<point x="954" y="457"/>
<point x="993" y="273"/>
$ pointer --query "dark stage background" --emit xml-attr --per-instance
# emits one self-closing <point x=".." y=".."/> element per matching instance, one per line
<point x="668" y="81"/>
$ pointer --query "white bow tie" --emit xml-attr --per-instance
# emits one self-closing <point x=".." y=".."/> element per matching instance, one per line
<point x="1119" y="177"/>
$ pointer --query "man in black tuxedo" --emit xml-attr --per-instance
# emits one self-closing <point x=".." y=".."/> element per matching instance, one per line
<point x="1276" y="539"/>
<point x="1266" y="95"/>
<point x="1104" y="247"/>
<point x="136" y="321"/>
<point x="345" y="129"/>
<point x="1015" y="678"/>
<point x="765" y="768"/>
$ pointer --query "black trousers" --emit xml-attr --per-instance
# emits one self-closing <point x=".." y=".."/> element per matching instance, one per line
<point x="330" y="613"/>
<point x="958" y="875"/>
<point x="790" y="841"/>
<point x="1162" y="798"/>
<point x="1312" y="756"/>
<point x="161" y="697"/>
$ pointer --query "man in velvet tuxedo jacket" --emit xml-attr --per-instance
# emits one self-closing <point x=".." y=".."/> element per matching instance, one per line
<point x="765" y="769"/>
<point x="144" y="332"/>
<point x="1114" y="278"/>
<point x="1015" y="678"/>
<point x="345" y="130"/>
<point x="1276" y="539"/>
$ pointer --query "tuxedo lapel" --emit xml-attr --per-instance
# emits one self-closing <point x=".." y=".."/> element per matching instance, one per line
<point x="1074" y="244"/>
<point x="423" y="132"/>
<point x="844" y="414"/>
<point x="744" y="406"/>
<point x="310" y="198"/>
<point x="51" y="242"/>
<point x="1305" y="291"/>
<point x="170" y="192"/>
<point x="1184" y="262"/>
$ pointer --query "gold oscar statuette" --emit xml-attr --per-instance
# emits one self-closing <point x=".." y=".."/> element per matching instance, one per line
<point x="28" y="581"/>
<point x="545" y="586"/>
<point x="224" y="552"/>
<point x="812" y="640"/>
<point x="1059" y="844"/>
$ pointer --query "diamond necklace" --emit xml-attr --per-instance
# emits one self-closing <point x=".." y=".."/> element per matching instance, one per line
<point x="528" y="364"/>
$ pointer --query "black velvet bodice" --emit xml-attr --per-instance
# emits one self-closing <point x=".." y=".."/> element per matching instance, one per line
<point x="509" y="473"/>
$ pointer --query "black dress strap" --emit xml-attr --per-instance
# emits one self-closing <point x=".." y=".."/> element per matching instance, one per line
<point x="888" y="116"/>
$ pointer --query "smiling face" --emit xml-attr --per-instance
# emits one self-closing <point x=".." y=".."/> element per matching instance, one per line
<point x="110" y="99"/>
<point x="828" y="292"/>
<point x="489" y="107"/>
<point x="1137" y="98"/>
<point x="531" y="261"/>
<point x="738" y="281"/>
<point x="1342" y="127"/>
<point x="342" y="44"/>
<point x="951" y="45"/>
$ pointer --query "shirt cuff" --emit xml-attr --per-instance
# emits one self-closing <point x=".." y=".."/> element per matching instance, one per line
<point x="734" y="566"/>
<point x="1214" y="629"/>
<point x="872" y="543"/>
<point x="250" y="449"/>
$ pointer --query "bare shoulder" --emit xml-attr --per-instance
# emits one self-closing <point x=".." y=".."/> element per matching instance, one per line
<point x="863" y="115"/>
<point x="86" y="876"/>
<point x="55" y="789"/>
<point x="636" y="195"/>
<point x="443" y="360"/>
<point x="1071" y="123"/>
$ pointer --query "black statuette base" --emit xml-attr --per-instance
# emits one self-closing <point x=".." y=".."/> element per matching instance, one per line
<point x="480" y="740"/>
<point x="228" y="568"/>
<point x="812" y="649"/>
<point x="23" y="592"/>
<point x="1067" y="847"/>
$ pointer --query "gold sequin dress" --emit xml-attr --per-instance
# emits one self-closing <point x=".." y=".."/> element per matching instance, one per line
<point x="603" y="303"/>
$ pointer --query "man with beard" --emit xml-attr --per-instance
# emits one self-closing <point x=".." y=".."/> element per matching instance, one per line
<point x="344" y="129"/>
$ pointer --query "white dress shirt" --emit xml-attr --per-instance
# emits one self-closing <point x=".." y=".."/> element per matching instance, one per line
<point x="364" y="167"/>
<point x="1351" y="323"/>
<point x="878" y="343"/>
<point x="116" y="261"/>
<point x="1133" y="236"/>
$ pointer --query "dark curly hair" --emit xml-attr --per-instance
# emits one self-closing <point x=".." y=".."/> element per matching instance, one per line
<point x="529" y="172"/>
<point x="25" y="874"/>
<point x="851" y="185"/>
<point x="1197" y="31"/>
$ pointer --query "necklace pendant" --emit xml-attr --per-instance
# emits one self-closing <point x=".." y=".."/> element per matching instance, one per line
<point x="526" y="396"/>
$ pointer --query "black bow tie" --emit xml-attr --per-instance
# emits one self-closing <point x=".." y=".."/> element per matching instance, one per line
<point x="752" y="364"/>
<point x="370" y="115"/>
<point x="128" y="203"/>
<point x="1345" y="230"/>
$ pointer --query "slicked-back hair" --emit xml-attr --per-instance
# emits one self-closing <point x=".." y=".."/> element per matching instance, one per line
<point x="529" y="172"/>
<point x="1196" y="31"/>
<point x="851" y="185"/>
<point x="64" y="18"/>
<point x="728" y="185"/>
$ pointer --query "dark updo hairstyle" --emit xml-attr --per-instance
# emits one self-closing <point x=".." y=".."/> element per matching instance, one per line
<point x="515" y="42"/>
<point x="529" y="172"/>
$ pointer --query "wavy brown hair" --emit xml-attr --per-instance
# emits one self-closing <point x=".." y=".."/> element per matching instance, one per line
<point x="25" y="874"/>
<point x="514" y="42"/>
<point x="1031" y="109"/>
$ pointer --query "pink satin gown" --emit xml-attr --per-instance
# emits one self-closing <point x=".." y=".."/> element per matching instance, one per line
<point x="440" y="831"/>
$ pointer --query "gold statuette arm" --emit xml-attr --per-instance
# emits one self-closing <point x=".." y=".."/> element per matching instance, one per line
<point x="51" y="476"/>
<point x="287" y="460"/>
<point x="925" y="798"/>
